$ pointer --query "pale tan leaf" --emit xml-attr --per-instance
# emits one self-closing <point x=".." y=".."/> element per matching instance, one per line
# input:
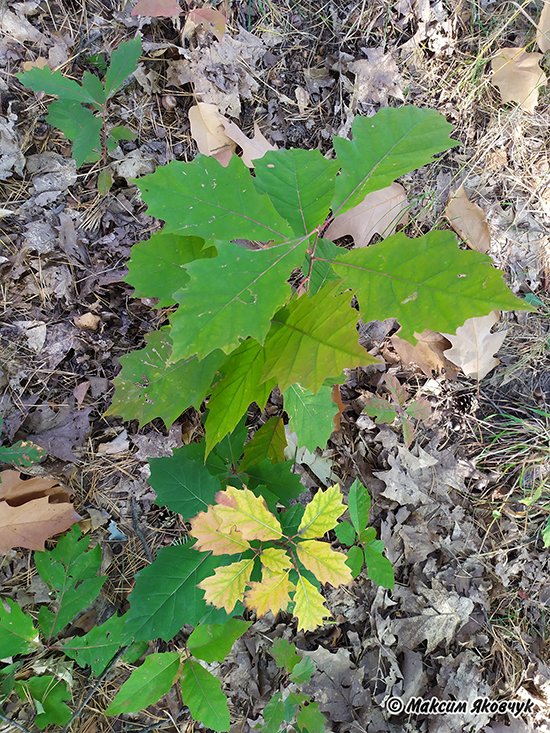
<point x="302" y="97"/>
<point x="253" y="148"/>
<point x="474" y="345"/>
<point x="29" y="522"/>
<point x="518" y="76"/>
<point x="469" y="221"/>
<point x="379" y="213"/>
<point x="543" y="28"/>
<point x="207" y="129"/>
<point x="376" y="78"/>
<point x="427" y="353"/>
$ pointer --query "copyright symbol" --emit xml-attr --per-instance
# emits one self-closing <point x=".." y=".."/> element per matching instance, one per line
<point x="394" y="705"/>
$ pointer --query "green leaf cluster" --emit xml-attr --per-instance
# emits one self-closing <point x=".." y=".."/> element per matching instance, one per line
<point x="364" y="547"/>
<point x="239" y="328"/>
<point x="294" y="708"/>
<point x="81" y="110"/>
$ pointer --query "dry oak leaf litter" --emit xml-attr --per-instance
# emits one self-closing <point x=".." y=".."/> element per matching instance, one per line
<point x="469" y="221"/>
<point x="157" y="8"/>
<point x="32" y="511"/>
<point x="376" y="78"/>
<point x="518" y="76"/>
<point x="427" y="353"/>
<point x="474" y="345"/>
<point x="380" y="212"/>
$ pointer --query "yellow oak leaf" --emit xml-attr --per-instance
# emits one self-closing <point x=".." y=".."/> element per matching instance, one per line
<point x="322" y="513"/>
<point x="206" y="528"/>
<point x="309" y="608"/>
<point x="274" y="562"/>
<point x="269" y="595"/>
<point x="226" y="586"/>
<point x="326" y="564"/>
<point x="248" y="513"/>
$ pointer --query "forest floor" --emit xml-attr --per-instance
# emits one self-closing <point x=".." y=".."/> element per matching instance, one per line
<point x="462" y="512"/>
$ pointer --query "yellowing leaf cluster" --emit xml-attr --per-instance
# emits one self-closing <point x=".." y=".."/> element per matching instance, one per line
<point x="239" y="518"/>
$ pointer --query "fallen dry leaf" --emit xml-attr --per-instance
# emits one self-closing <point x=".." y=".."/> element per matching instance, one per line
<point x="207" y="129"/>
<point x="469" y="221"/>
<point x="58" y="432"/>
<point x="157" y="8"/>
<point x="518" y="76"/>
<point x="474" y="345"/>
<point x="543" y="28"/>
<point x="32" y="511"/>
<point x="302" y="97"/>
<point x="209" y="18"/>
<point x="253" y="148"/>
<point x="379" y="213"/>
<point x="376" y="78"/>
<point x="427" y="353"/>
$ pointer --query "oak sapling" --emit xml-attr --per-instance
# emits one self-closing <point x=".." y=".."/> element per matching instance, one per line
<point x="81" y="112"/>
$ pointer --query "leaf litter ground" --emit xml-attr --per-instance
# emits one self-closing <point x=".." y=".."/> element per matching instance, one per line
<point x="461" y="512"/>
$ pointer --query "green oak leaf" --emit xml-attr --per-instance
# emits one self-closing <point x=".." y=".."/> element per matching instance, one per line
<point x="22" y="453"/>
<point x="245" y="288"/>
<point x="48" y="694"/>
<point x="149" y="385"/>
<point x="146" y="684"/>
<point x="233" y="394"/>
<point x="87" y="143"/>
<point x="94" y="87"/>
<point x="310" y="719"/>
<point x="277" y="479"/>
<point x="157" y="267"/>
<point x="269" y="441"/>
<point x="120" y="132"/>
<point x="379" y="568"/>
<point x="302" y="671"/>
<point x="345" y="533"/>
<point x="213" y="642"/>
<point x="98" y="646"/>
<point x="392" y="142"/>
<point x="207" y="200"/>
<point x="426" y="283"/>
<point x="53" y="82"/>
<point x="310" y="415"/>
<point x="166" y="596"/>
<point x="300" y="183"/>
<point x="319" y="270"/>
<point x="359" y="506"/>
<point x="71" y="571"/>
<point x="184" y="485"/>
<point x="355" y="560"/>
<point x="70" y="117"/>
<point x="273" y="715"/>
<point x="123" y="63"/>
<point x="284" y="654"/>
<point x="16" y="630"/>
<point x="312" y="339"/>
<point x="202" y="694"/>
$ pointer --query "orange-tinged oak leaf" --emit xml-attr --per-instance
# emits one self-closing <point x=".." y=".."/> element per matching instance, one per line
<point x="322" y="513"/>
<point x="274" y="561"/>
<point x="206" y="528"/>
<point x="309" y="608"/>
<point x="240" y="508"/>
<point x="226" y="586"/>
<point x="326" y="564"/>
<point x="269" y="595"/>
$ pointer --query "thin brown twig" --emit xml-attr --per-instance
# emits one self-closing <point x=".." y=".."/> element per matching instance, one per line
<point x="14" y="723"/>
<point x="100" y="679"/>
